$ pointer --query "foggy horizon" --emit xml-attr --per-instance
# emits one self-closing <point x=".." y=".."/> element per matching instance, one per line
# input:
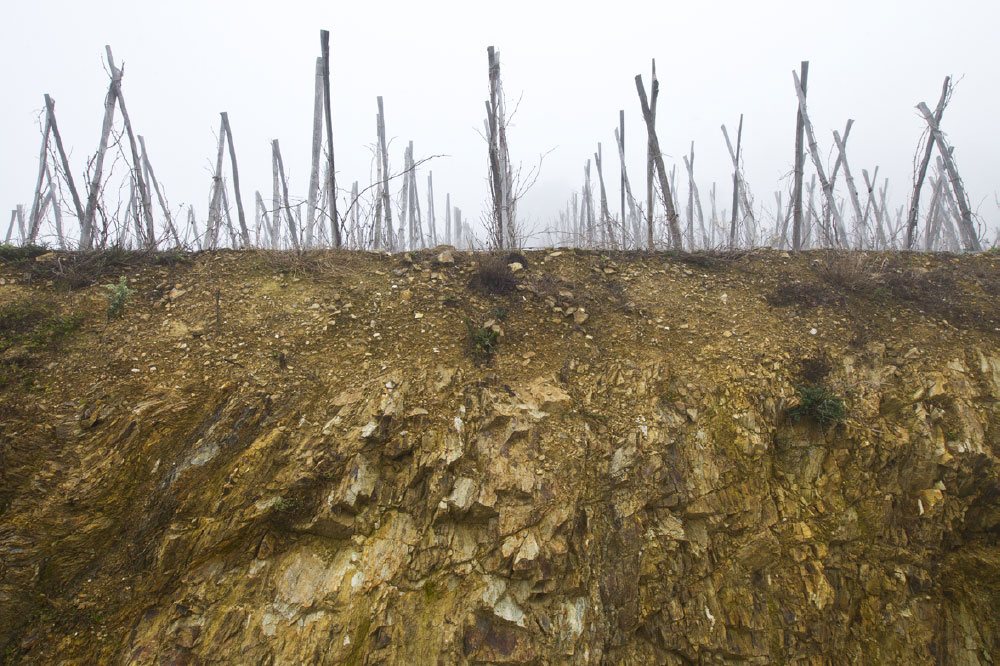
<point x="568" y="73"/>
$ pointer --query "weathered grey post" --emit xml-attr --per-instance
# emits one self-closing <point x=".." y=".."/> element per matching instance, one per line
<point x="626" y="192"/>
<point x="402" y="237"/>
<point x="94" y="189"/>
<point x="355" y="232"/>
<point x="911" y="220"/>
<point x="818" y="163"/>
<point x="873" y="203"/>
<point x="747" y="209"/>
<point x="215" y="199"/>
<point x="654" y="145"/>
<point x="244" y="232"/>
<point x="50" y="109"/>
<point x="312" y="202"/>
<point x="623" y="186"/>
<point x="144" y="199"/>
<point x="34" y="218"/>
<point x="968" y="230"/>
<point x="498" y="176"/>
<point x="269" y="233"/>
<point x="447" y="218"/>
<point x="654" y="93"/>
<point x="851" y="189"/>
<point x="386" y="205"/>
<point x="56" y="207"/>
<point x="432" y="225"/>
<point x="151" y="177"/>
<point x="800" y="160"/>
<point x="276" y="152"/>
<point x="275" y="200"/>
<point x="694" y="199"/>
<point x="607" y="230"/>
<point x="331" y="182"/>
<point x="736" y="180"/>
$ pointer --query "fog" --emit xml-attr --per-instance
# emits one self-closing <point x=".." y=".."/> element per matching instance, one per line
<point x="568" y="67"/>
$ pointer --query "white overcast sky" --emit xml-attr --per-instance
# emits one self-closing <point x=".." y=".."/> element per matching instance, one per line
<point x="572" y="64"/>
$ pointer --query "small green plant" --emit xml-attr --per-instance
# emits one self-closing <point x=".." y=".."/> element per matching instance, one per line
<point x="819" y="404"/>
<point x="483" y="340"/>
<point x="118" y="295"/>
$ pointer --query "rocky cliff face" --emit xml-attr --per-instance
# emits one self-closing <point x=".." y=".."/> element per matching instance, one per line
<point x="284" y="461"/>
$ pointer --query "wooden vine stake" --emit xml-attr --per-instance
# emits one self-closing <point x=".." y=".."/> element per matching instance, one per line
<point x="312" y="199"/>
<point x="607" y="230"/>
<point x="918" y="182"/>
<point x="499" y="159"/>
<point x="386" y="206"/>
<point x="841" y="232"/>
<point x="800" y="160"/>
<point x="244" y="232"/>
<point x="968" y="230"/>
<point x="649" y="115"/>
<point x="331" y="182"/>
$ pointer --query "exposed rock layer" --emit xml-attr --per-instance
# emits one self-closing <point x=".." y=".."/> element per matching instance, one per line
<point x="625" y="491"/>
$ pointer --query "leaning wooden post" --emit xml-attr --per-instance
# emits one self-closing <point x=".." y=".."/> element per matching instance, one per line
<point x="144" y="199"/>
<point x="402" y="237"/>
<point x="800" y="161"/>
<point x="317" y="150"/>
<point x="934" y="214"/>
<point x="650" y="162"/>
<point x="747" y="210"/>
<point x="912" y="216"/>
<point x="689" y="211"/>
<point x="817" y="161"/>
<point x="331" y="183"/>
<point x="34" y="219"/>
<point x="355" y="231"/>
<point x="736" y="182"/>
<point x="626" y="190"/>
<point x="276" y="152"/>
<point x="492" y="126"/>
<point x="620" y="140"/>
<point x="415" y="219"/>
<point x="966" y="226"/>
<point x="244" y="232"/>
<point x="214" y="212"/>
<point x="228" y="218"/>
<point x="53" y="197"/>
<point x="880" y="224"/>
<point x="266" y="220"/>
<point x="50" y="109"/>
<point x="607" y="229"/>
<point x="430" y="208"/>
<point x="952" y="213"/>
<point x="275" y="199"/>
<point x="447" y="218"/>
<point x="94" y="189"/>
<point x="654" y="144"/>
<point x="386" y="203"/>
<point x="851" y="188"/>
<point x="151" y="177"/>
<point x="694" y="199"/>
<point x="22" y="230"/>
